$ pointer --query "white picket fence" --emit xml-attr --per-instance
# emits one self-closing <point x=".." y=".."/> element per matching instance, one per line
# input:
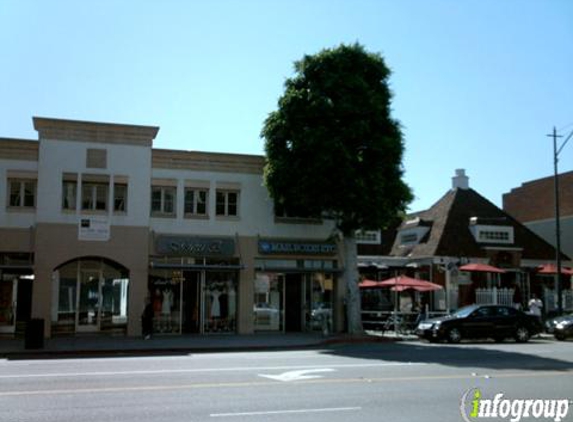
<point x="503" y="296"/>
<point x="495" y="296"/>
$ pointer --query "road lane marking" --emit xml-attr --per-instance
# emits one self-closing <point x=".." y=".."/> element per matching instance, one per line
<point x="297" y="375"/>
<point x="156" y="388"/>
<point x="199" y="370"/>
<point x="284" y="412"/>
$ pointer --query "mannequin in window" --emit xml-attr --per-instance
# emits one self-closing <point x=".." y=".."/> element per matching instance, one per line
<point x="166" y="308"/>
<point x="215" y="304"/>
<point x="232" y="299"/>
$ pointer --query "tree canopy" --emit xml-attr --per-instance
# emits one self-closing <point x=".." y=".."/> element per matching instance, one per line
<point x="333" y="149"/>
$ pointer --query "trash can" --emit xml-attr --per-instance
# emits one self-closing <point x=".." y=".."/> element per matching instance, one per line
<point x="34" y="337"/>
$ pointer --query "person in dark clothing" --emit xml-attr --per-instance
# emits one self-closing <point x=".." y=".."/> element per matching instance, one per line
<point x="147" y="320"/>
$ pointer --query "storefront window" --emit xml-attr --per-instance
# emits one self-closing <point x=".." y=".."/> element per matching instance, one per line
<point x="268" y="302"/>
<point x="321" y="294"/>
<point x="220" y="302"/>
<point x="293" y="301"/>
<point x="165" y="295"/>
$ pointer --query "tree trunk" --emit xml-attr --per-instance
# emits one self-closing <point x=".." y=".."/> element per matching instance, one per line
<point x="351" y="276"/>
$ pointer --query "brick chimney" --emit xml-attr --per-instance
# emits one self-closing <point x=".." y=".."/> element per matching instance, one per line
<point x="460" y="180"/>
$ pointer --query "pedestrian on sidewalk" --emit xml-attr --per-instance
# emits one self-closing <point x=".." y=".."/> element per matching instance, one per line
<point x="535" y="306"/>
<point x="147" y="320"/>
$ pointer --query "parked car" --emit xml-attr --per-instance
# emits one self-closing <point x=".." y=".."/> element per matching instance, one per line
<point x="564" y="327"/>
<point x="551" y="323"/>
<point x="481" y="321"/>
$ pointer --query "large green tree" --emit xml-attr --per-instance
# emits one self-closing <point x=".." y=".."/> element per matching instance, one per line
<point x="334" y="150"/>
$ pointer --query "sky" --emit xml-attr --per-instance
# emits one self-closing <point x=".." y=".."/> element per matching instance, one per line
<point x="478" y="84"/>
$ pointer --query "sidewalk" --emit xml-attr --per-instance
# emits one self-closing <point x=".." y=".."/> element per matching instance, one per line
<point x="92" y="345"/>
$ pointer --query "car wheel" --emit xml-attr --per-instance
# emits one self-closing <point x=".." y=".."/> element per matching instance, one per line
<point x="454" y="335"/>
<point x="560" y="336"/>
<point x="522" y="334"/>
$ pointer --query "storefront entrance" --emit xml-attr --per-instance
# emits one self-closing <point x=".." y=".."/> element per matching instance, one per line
<point x="15" y="300"/>
<point x="293" y="302"/>
<point x="193" y="301"/>
<point x="89" y="295"/>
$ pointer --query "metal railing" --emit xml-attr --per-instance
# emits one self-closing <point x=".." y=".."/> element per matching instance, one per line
<point x="397" y="322"/>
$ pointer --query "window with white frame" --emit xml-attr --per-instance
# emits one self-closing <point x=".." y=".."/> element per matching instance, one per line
<point x="368" y="237"/>
<point x="227" y="203"/>
<point x="120" y="197"/>
<point x="196" y="201"/>
<point x="94" y="195"/>
<point x="21" y="193"/>
<point x="69" y="191"/>
<point x="410" y="237"/>
<point x="163" y="200"/>
<point x="493" y="234"/>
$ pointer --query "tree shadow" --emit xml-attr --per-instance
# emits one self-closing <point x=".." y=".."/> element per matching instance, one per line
<point x="464" y="355"/>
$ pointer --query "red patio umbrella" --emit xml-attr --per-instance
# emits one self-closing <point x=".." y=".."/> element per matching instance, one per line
<point x="552" y="269"/>
<point x="365" y="284"/>
<point x="402" y="282"/>
<point x="417" y="288"/>
<point x="481" y="268"/>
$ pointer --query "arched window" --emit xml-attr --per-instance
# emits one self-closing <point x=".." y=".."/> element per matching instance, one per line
<point x="90" y="295"/>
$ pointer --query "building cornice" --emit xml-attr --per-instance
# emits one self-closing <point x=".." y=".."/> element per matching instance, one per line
<point x="81" y="131"/>
<point x="207" y="161"/>
<point x="18" y="149"/>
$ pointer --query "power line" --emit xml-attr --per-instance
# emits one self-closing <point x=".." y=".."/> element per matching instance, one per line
<point x="565" y="127"/>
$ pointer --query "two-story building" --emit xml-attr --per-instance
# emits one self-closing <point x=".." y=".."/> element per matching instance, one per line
<point x="94" y="221"/>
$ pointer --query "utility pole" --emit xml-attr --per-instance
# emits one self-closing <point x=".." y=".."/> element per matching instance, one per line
<point x="558" y="278"/>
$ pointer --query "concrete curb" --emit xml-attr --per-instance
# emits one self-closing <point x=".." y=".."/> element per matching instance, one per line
<point x="154" y="350"/>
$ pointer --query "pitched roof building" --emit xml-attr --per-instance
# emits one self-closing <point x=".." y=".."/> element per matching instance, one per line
<point x="463" y="227"/>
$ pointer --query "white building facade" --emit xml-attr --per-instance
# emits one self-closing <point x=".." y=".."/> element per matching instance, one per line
<point x="94" y="222"/>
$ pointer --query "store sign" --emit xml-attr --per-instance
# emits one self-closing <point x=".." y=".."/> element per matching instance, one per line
<point x="94" y="229"/>
<point x="194" y="246"/>
<point x="270" y="247"/>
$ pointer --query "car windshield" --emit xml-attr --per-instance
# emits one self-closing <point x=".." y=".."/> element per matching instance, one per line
<point x="464" y="312"/>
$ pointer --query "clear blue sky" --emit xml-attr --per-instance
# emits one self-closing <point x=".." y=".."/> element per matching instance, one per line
<point x="478" y="83"/>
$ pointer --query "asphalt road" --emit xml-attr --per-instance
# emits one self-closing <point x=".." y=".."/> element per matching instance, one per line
<point x="410" y="381"/>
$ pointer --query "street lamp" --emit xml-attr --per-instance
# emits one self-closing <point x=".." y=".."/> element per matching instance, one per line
<point x="558" y="277"/>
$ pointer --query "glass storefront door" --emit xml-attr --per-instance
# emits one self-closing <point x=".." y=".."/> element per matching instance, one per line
<point x="89" y="298"/>
<point x="269" y="300"/>
<point x="8" y="295"/>
<point x="191" y="300"/>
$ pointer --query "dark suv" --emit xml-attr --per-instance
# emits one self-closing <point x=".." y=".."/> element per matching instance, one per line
<point x="481" y="321"/>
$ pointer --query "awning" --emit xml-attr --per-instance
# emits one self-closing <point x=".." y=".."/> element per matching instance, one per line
<point x="174" y="266"/>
